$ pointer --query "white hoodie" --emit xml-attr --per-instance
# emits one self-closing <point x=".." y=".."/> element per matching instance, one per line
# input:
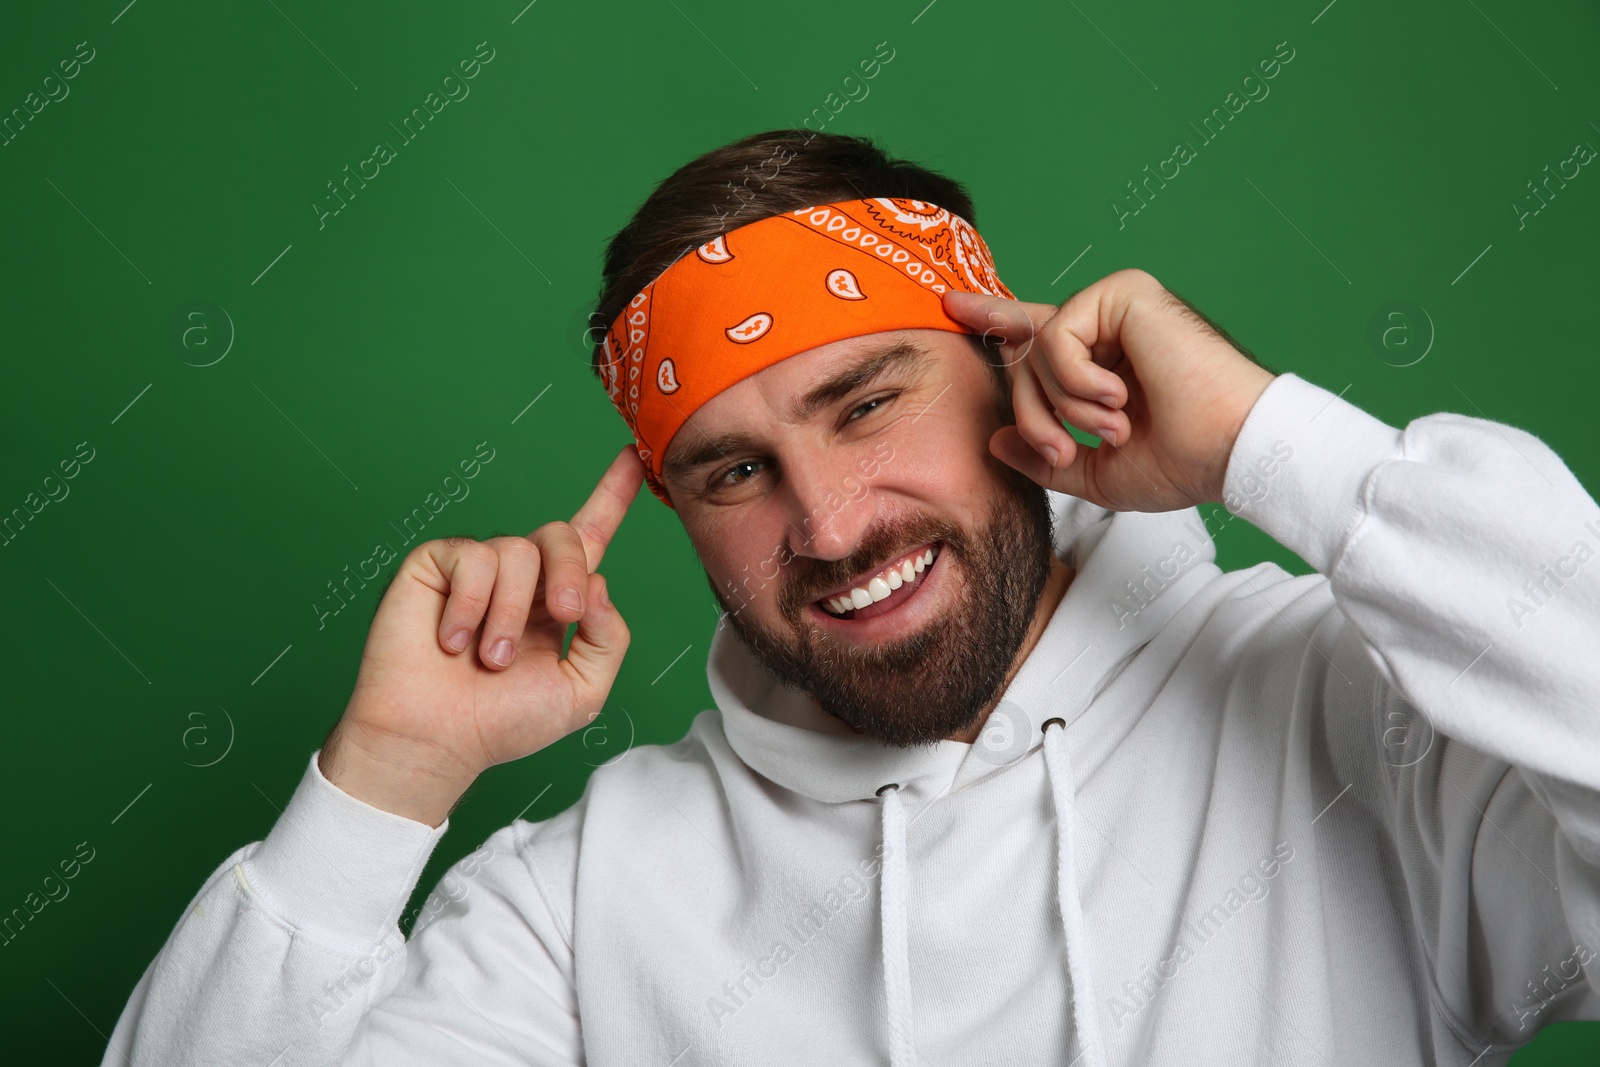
<point x="1346" y="818"/>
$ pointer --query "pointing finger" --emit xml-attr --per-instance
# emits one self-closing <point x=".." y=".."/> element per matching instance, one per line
<point x="1011" y="322"/>
<point x="597" y="521"/>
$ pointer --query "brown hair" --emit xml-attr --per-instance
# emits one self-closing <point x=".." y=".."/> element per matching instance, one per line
<point x="755" y="177"/>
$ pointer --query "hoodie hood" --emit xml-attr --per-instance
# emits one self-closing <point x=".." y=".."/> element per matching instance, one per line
<point x="1134" y="570"/>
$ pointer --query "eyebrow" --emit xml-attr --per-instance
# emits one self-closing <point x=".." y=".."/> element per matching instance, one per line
<point x="901" y="355"/>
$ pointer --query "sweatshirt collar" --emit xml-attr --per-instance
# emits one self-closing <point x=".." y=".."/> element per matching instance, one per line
<point x="1134" y="571"/>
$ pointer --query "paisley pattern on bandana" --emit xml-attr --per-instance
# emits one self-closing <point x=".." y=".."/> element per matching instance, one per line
<point x="777" y="287"/>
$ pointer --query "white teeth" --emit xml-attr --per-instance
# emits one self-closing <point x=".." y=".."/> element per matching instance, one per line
<point x="880" y="587"/>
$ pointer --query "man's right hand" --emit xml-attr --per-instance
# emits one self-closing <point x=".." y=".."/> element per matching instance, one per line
<point x="462" y="668"/>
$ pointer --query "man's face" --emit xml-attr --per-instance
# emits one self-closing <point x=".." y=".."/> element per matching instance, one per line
<point x="808" y="480"/>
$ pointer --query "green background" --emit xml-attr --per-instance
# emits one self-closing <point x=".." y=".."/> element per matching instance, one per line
<point x="166" y="673"/>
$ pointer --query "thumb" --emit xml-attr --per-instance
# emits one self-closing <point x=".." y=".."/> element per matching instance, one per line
<point x="596" y="651"/>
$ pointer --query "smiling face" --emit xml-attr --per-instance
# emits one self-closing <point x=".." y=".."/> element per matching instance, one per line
<point x="868" y="548"/>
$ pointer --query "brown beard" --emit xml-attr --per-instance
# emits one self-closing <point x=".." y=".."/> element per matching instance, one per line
<point x="931" y="684"/>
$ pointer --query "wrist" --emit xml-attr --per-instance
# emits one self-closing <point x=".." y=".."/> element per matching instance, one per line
<point x="1253" y="382"/>
<point x="398" y="776"/>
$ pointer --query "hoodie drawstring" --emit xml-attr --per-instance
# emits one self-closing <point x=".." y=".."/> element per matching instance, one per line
<point x="1058" y="768"/>
<point x="892" y="917"/>
<point x="896" y="954"/>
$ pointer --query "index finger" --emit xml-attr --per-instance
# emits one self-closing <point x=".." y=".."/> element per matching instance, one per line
<point x="597" y="521"/>
<point x="1014" y="323"/>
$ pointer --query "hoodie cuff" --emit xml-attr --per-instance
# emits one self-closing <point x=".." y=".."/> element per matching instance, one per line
<point x="338" y="865"/>
<point x="1300" y="464"/>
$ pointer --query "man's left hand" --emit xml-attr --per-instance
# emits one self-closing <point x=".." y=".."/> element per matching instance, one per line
<point x="1127" y="361"/>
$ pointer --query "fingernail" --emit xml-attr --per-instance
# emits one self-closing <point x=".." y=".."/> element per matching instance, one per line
<point x="459" y="640"/>
<point x="1109" y="401"/>
<point x="605" y="596"/>
<point x="570" y="599"/>
<point x="1052" y="455"/>
<point x="501" y="652"/>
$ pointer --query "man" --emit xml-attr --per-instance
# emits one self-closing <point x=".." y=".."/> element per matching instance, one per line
<point x="1003" y="768"/>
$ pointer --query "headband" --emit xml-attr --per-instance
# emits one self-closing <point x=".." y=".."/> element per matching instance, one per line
<point x="774" y="288"/>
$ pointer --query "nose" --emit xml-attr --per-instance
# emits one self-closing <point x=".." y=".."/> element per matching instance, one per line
<point x="831" y="505"/>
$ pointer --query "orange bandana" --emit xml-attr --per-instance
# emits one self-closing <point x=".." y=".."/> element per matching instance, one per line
<point x="777" y="287"/>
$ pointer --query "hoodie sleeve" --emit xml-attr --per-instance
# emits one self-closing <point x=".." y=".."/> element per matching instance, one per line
<point x="291" y="952"/>
<point x="490" y="977"/>
<point x="1463" y="552"/>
